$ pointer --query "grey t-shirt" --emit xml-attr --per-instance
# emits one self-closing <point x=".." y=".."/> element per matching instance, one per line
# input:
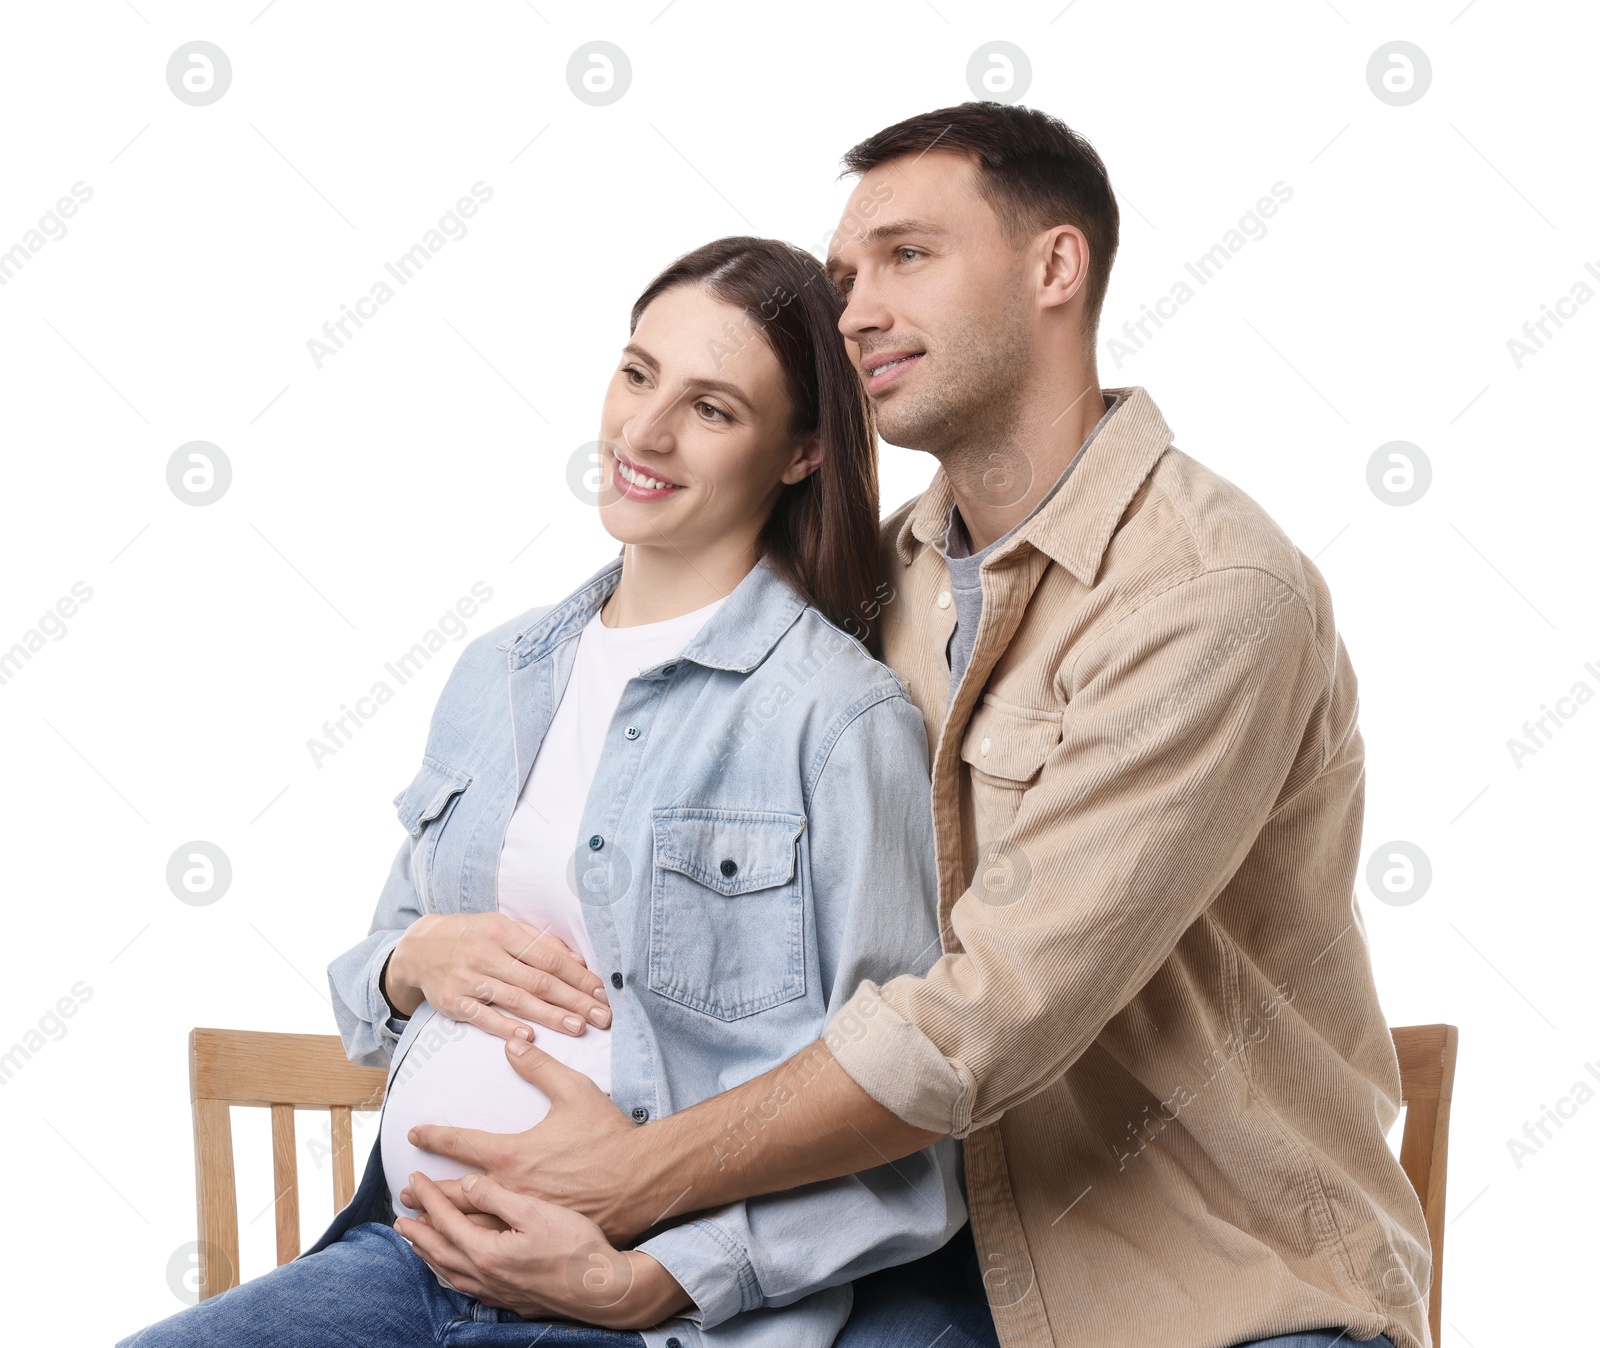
<point x="964" y="566"/>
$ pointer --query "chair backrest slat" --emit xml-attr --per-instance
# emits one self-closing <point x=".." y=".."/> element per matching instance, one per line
<point x="282" y="1072"/>
<point x="285" y="1182"/>
<point x="1427" y="1055"/>
<point x="213" y="1193"/>
<point x="344" y="1160"/>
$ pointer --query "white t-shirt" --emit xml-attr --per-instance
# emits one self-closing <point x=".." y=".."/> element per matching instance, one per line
<point x="454" y="1073"/>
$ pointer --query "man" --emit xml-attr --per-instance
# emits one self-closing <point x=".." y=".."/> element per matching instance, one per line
<point x="1154" y="1023"/>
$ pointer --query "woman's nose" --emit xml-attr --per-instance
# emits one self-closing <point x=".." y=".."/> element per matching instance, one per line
<point x="648" y="431"/>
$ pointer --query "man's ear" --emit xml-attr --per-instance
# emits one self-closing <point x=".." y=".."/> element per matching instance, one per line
<point x="807" y="459"/>
<point x="1066" y="265"/>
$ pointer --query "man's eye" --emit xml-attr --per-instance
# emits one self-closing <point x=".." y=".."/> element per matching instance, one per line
<point x="908" y="254"/>
<point x="635" y="376"/>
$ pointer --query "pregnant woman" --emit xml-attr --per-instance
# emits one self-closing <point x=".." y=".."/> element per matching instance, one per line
<point x="665" y="825"/>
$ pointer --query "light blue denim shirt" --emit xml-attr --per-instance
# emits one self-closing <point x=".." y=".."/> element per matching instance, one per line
<point x="757" y="840"/>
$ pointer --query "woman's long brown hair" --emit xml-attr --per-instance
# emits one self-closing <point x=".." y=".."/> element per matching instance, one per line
<point x="822" y="536"/>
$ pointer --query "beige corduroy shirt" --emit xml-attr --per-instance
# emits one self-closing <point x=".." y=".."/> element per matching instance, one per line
<point x="1155" y="1023"/>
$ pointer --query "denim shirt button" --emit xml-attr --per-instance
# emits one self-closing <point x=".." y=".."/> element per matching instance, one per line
<point x="669" y="669"/>
<point x="641" y="1114"/>
<point x="616" y="980"/>
<point x="674" y="1342"/>
<point x="596" y="843"/>
<point x="632" y="732"/>
<point x="729" y="868"/>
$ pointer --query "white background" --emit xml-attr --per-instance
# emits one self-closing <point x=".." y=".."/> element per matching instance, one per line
<point x="431" y="453"/>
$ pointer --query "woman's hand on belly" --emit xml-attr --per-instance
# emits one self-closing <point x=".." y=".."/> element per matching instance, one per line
<point x="543" y="1259"/>
<point x="488" y="970"/>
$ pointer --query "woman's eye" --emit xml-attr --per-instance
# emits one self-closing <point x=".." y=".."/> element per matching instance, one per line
<point x="711" y="413"/>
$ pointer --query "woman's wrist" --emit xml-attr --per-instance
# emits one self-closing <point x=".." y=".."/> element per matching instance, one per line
<point x="403" y="996"/>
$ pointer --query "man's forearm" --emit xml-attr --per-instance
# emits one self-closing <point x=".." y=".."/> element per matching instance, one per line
<point x="803" y="1121"/>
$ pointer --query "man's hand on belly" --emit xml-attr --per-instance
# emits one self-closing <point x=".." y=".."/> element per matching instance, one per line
<point x="805" y="1120"/>
<point x="583" y="1123"/>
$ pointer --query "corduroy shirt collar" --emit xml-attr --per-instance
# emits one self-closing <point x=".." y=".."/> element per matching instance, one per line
<point x="1076" y="524"/>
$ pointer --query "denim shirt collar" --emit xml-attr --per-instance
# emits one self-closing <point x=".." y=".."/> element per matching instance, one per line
<point x="739" y="636"/>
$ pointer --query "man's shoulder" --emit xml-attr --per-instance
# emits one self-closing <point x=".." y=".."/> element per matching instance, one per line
<point x="1188" y="521"/>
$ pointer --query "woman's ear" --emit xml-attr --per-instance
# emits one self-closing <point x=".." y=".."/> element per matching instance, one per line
<point x="807" y="459"/>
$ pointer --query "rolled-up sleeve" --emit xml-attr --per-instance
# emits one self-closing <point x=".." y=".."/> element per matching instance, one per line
<point x="367" y="1025"/>
<point x="1184" y="721"/>
<point x="870" y="831"/>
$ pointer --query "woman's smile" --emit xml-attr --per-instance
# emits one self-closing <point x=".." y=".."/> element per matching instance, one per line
<point x="635" y="483"/>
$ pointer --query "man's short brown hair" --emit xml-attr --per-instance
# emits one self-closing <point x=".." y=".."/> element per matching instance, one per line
<point x="1033" y="169"/>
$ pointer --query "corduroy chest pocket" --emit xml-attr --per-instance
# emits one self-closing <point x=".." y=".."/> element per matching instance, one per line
<point x="1004" y="748"/>
<point x="727" y="910"/>
<point x="423" y="808"/>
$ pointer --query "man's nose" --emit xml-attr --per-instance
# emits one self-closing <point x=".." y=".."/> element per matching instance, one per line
<point x="864" y="313"/>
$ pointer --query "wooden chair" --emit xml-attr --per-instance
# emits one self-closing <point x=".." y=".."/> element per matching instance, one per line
<point x="1427" y="1056"/>
<point x="283" y="1073"/>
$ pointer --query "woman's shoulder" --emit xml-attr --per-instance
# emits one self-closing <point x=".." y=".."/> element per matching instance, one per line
<point x="485" y="657"/>
<point x="822" y="657"/>
<point x="575" y="607"/>
<point x="839" y="694"/>
<point x="505" y="636"/>
<point x="491" y="649"/>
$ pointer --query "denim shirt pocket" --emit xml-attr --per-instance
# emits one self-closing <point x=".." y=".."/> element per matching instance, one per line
<point x="423" y="808"/>
<point x="727" y="909"/>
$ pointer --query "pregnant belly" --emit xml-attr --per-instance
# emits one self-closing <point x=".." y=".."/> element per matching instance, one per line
<point x="458" y="1075"/>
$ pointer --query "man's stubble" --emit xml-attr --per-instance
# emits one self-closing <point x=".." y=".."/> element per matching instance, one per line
<point x="967" y="415"/>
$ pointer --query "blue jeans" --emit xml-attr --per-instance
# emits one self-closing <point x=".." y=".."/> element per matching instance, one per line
<point x="937" y="1299"/>
<point x="369" y="1288"/>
